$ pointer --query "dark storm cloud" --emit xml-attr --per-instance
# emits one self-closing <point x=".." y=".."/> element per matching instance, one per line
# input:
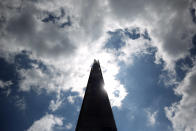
<point x="24" y="31"/>
<point x="91" y="13"/>
<point x="22" y="25"/>
<point x="27" y="25"/>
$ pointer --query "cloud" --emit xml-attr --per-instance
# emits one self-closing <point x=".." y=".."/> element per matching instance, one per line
<point x="23" y="29"/>
<point x="182" y="113"/>
<point x="4" y="84"/>
<point x="54" y="105"/>
<point x="20" y="103"/>
<point x="69" y="126"/>
<point x="8" y="92"/>
<point x="71" y="99"/>
<point x="46" y="123"/>
<point x="37" y="79"/>
<point x="151" y="117"/>
<point x="90" y="19"/>
<point x="171" y="28"/>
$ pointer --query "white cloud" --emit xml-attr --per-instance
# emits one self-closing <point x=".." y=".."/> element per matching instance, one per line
<point x="20" y="103"/>
<point x="68" y="126"/>
<point x="4" y="84"/>
<point x="36" y="79"/>
<point x="182" y="113"/>
<point x="74" y="74"/>
<point x="55" y="105"/>
<point x="168" y="22"/>
<point x="71" y="99"/>
<point x="8" y="92"/>
<point x="151" y="117"/>
<point x="46" y="123"/>
<point x="134" y="48"/>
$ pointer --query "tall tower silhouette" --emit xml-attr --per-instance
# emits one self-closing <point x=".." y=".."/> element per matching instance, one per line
<point x="96" y="112"/>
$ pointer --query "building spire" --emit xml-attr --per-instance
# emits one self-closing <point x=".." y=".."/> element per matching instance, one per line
<point x="96" y="112"/>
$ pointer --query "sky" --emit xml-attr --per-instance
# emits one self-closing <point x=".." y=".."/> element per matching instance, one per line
<point x="146" y="49"/>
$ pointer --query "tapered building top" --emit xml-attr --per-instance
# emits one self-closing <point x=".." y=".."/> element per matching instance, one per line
<point x="96" y="112"/>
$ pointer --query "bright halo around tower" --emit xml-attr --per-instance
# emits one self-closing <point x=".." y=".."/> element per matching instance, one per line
<point x="110" y="69"/>
<point x="109" y="66"/>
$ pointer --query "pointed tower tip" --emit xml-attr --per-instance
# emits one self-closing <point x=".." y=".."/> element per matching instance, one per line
<point x="96" y="61"/>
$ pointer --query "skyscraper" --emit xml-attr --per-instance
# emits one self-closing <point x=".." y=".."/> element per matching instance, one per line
<point x="96" y="112"/>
